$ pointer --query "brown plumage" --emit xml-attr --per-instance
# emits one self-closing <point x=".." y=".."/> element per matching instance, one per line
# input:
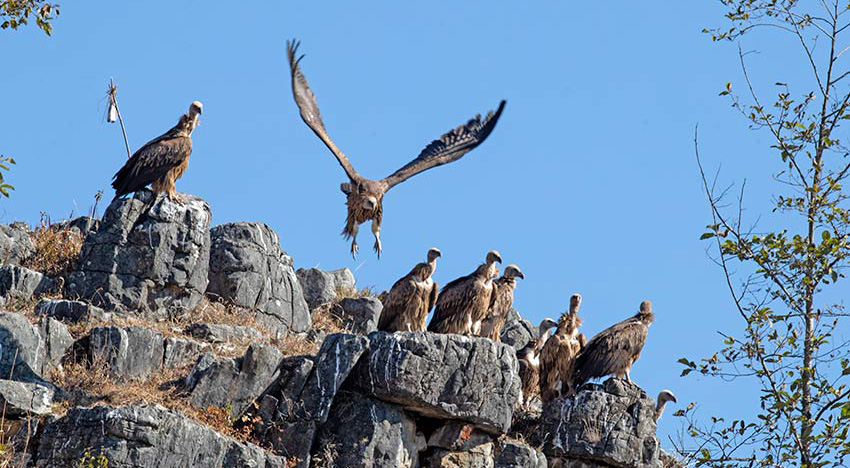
<point x="411" y="298"/>
<point x="529" y="363"/>
<point x="663" y="397"/>
<point x="614" y="350"/>
<point x="364" y="196"/>
<point x="463" y="303"/>
<point x="558" y="355"/>
<point x="161" y="161"/>
<point x="501" y="302"/>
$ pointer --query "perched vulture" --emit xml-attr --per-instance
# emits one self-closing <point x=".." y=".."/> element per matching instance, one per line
<point x="614" y="350"/>
<point x="364" y="196"/>
<point x="411" y="298"/>
<point x="559" y="353"/>
<point x="501" y="302"/>
<point x="529" y="362"/>
<point x="463" y="303"/>
<point x="663" y="397"/>
<point x="161" y="161"/>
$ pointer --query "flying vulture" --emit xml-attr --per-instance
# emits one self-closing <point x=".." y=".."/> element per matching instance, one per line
<point x="161" y="161"/>
<point x="663" y="397"/>
<point x="411" y="298"/>
<point x="559" y="353"/>
<point x="501" y="302"/>
<point x="463" y="303"/>
<point x="614" y="350"/>
<point x="529" y="362"/>
<point x="364" y="196"/>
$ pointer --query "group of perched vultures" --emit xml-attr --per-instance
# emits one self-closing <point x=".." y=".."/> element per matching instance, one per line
<point x="477" y="304"/>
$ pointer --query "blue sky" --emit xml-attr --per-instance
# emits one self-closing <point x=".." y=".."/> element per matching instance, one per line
<point x="588" y="182"/>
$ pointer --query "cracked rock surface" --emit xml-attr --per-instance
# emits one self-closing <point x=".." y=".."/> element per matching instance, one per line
<point x="150" y="263"/>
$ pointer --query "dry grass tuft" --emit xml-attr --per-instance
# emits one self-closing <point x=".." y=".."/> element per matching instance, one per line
<point x="326" y="319"/>
<point x="56" y="249"/>
<point x="91" y="384"/>
<point x="354" y="293"/>
<point x="297" y="346"/>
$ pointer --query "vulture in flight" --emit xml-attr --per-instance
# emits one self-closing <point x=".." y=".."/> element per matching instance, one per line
<point x="411" y="298"/>
<point x="614" y="350"/>
<point x="529" y="362"/>
<point x="463" y="303"/>
<point x="663" y="397"/>
<point x="501" y="302"/>
<point x="161" y="161"/>
<point x="557" y="359"/>
<point x="364" y="196"/>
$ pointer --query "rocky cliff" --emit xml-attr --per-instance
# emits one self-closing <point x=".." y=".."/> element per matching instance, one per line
<point x="171" y="344"/>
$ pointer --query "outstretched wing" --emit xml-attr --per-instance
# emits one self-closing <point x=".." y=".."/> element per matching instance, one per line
<point x="610" y="352"/>
<point x="450" y="147"/>
<point x="309" y="108"/>
<point x="150" y="162"/>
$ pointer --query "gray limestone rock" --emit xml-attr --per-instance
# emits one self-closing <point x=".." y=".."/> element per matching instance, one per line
<point x="17" y="282"/>
<point x="457" y="436"/>
<point x="143" y="437"/>
<point x="20" y="399"/>
<point x="150" y="263"/>
<point x="319" y="287"/>
<point x="129" y="353"/>
<point x="361" y="315"/>
<point x="233" y="383"/>
<point x="513" y="454"/>
<point x="28" y="353"/>
<point x="517" y="333"/>
<point x="15" y="244"/>
<point x="443" y="376"/>
<point x="294" y="409"/>
<point x="612" y="424"/>
<point x="71" y="311"/>
<point x="480" y="456"/>
<point x="248" y="268"/>
<point x="344" y="281"/>
<point x="216" y="333"/>
<point x="179" y="352"/>
<point x="366" y="433"/>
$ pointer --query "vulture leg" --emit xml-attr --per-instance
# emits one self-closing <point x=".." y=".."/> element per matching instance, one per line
<point x="354" y="247"/>
<point x="376" y="230"/>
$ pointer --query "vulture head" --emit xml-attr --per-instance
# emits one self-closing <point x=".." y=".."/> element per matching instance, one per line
<point x="513" y="271"/>
<point x="663" y="397"/>
<point x="433" y="254"/>
<point x="570" y="322"/>
<point x="645" y="314"/>
<point x="364" y="194"/>
<point x="189" y="120"/>
<point x="544" y="326"/>
<point x="493" y="257"/>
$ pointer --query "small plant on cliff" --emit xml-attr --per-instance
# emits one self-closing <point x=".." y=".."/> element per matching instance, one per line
<point x="782" y="275"/>
<point x="4" y="166"/>
<point x="57" y="248"/>
<point x="93" y="461"/>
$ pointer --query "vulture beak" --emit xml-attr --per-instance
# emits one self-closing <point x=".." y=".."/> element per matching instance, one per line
<point x="519" y="273"/>
<point x="494" y="256"/>
<point x="197" y="107"/>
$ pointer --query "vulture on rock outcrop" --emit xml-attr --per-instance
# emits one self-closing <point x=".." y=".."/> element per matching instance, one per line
<point x="364" y="196"/>
<point x="501" y="302"/>
<point x="663" y="397"/>
<point x="161" y="161"/>
<point x="614" y="350"/>
<point x="411" y="298"/>
<point x="529" y="362"/>
<point x="557" y="359"/>
<point x="463" y="303"/>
